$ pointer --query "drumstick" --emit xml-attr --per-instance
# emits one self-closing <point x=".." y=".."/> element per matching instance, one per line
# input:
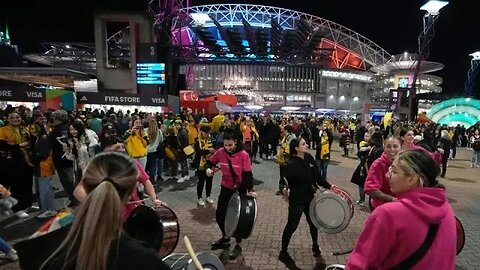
<point x="338" y="253"/>
<point x="192" y="254"/>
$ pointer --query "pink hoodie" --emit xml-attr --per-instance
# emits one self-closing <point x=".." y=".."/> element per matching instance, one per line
<point x="377" y="179"/>
<point x="397" y="229"/>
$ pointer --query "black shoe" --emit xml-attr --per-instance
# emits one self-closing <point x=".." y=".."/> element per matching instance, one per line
<point x="316" y="250"/>
<point x="279" y="192"/>
<point x="285" y="258"/>
<point x="235" y="252"/>
<point x="221" y="243"/>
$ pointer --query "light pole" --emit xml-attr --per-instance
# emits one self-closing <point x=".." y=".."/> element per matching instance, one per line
<point x="472" y="73"/>
<point x="432" y="8"/>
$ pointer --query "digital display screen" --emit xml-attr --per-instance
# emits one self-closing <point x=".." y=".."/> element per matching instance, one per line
<point x="150" y="73"/>
<point x="403" y="82"/>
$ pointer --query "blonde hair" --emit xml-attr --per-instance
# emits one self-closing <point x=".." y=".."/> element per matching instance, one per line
<point x="108" y="180"/>
<point x="152" y="129"/>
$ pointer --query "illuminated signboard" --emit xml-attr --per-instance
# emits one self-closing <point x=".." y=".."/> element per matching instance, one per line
<point x="403" y="82"/>
<point x="150" y="73"/>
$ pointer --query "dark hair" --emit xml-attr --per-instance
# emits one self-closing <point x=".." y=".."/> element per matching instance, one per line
<point x="80" y="127"/>
<point x="288" y="128"/>
<point x="422" y="164"/>
<point x="294" y="143"/>
<point x="403" y="132"/>
<point x="229" y="134"/>
<point x="376" y="138"/>
<point x="109" y="141"/>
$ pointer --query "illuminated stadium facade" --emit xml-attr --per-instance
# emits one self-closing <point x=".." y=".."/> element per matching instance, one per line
<point x="264" y="55"/>
<point x="274" y="56"/>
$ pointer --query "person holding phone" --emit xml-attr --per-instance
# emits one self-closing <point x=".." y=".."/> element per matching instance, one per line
<point x="136" y="141"/>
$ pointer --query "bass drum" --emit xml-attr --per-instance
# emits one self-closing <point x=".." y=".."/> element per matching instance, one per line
<point x="460" y="235"/>
<point x="156" y="226"/>
<point x="241" y="216"/>
<point x="331" y="210"/>
<point x="184" y="262"/>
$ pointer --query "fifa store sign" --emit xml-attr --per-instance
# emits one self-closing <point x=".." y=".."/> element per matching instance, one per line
<point x="121" y="99"/>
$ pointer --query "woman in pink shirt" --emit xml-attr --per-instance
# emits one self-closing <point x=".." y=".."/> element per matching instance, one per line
<point x="395" y="231"/>
<point x="232" y="159"/>
<point x="377" y="185"/>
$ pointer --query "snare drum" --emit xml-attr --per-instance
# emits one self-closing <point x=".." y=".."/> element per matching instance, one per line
<point x="331" y="210"/>
<point x="158" y="227"/>
<point x="184" y="262"/>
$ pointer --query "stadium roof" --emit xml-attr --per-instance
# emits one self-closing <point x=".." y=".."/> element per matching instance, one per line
<point x="261" y="33"/>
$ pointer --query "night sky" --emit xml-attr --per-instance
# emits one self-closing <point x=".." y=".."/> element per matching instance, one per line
<point x="394" y="25"/>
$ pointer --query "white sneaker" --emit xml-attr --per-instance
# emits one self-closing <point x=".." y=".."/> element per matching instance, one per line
<point x="209" y="200"/>
<point x="10" y="255"/>
<point x="200" y="202"/>
<point x="181" y="179"/>
<point x="186" y="178"/>
<point x="22" y="214"/>
<point x="47" y="214"/>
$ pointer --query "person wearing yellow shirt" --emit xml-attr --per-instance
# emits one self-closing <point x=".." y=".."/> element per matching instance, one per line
<point x="136" y="141"/>
<point x="192" y="129"/>
<point x="217" y="122"/>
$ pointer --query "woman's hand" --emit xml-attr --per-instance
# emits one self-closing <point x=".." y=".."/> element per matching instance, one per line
<point x="158" y="203"/>
<point x="252" y="194"/>
<point x="209" y="172"/>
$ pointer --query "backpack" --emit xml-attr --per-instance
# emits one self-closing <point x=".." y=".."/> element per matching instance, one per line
<point x="42" y="147"/>
<point x="476" y="145"/>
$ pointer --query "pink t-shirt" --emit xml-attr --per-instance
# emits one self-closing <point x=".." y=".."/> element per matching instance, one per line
<point x="240" y="163"/>
<point x="142" y="179"/>
<point x="377" y="179"/>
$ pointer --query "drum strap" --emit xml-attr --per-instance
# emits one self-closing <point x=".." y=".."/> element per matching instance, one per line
<point x="232" y="172"/>
<point x="413" y="259"/>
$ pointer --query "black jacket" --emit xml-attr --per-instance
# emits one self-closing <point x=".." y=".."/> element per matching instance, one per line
<point x="303" y="176"/>
<point x="127" y="254"/>
<point x="57" y="149"/>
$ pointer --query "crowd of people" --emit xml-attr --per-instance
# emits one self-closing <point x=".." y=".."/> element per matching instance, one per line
<point x="395" y="161"/>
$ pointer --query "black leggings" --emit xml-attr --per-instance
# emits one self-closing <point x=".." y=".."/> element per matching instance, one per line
<point x="223" y="199"/>
<point x="295" y="211"/>
<point x="202" y="178"/>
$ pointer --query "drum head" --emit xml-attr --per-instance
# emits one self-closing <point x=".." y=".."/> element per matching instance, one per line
<point x="460" y="235"/>
<point x="335" y="267"/>
<point x="233" y="215"/>
<point x="144" y="224"/>
<point x="329" y="212"/>
<point x="209" y="262"/>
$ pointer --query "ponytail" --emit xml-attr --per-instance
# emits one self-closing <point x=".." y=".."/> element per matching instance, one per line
<point x="109" y="179"/>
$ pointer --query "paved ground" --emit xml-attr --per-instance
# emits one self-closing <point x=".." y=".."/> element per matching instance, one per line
<point x="261" y="249"/>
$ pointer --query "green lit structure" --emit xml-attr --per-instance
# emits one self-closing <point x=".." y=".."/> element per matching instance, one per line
<point x="462" y="111"/>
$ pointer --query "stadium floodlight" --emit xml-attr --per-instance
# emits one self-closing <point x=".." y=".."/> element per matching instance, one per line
<point x="287" y="108"/>
<point x="433" y="6"/>
<point x="475" y="55"/>
<point x="253" y="107"/>
<point x="200" y="18"/>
